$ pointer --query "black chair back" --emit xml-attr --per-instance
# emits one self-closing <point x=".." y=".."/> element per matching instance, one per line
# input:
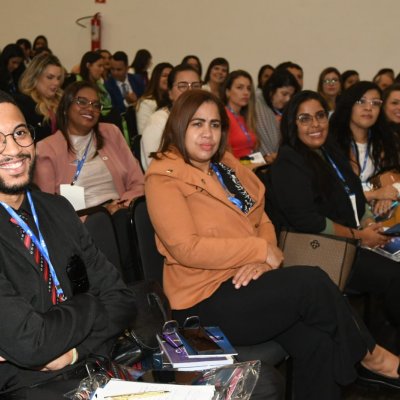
<point x="152" y="261"/>
<point x="100" y="226"/>
<point x="136" y="149"/>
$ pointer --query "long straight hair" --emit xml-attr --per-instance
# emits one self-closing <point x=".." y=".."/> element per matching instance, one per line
<point x="385" y="154"/>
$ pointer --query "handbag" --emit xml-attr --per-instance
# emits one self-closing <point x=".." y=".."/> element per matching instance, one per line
<point x="139" y="339"/>
<point x="333" y="254"/>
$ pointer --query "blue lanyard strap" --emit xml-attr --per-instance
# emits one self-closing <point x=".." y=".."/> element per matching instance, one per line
<point x="242" y="127"/>
<point x="354" y="150"/>
<point x="81" y="162"/>
<point x="338" y="172"/>
<point x="231" y="198"/>
<point x="40" y="243"/>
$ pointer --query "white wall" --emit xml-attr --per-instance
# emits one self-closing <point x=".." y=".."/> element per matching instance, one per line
<point x="359" y="34"/>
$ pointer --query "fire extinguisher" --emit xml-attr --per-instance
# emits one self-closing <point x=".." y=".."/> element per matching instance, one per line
<point x="95" y="24"/>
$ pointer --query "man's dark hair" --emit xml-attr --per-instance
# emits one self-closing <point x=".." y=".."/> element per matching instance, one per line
<point x="120" y="56"/>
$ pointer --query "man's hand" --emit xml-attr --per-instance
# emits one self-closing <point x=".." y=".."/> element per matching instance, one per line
<point x="60" y="362"/>
<point x="131" y="98"/>
<point x="249" y="272"/>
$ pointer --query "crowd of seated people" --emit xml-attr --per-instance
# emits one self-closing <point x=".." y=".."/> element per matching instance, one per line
<point x="220" y="247"/>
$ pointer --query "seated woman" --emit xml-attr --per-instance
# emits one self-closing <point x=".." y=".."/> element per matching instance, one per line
<point x="180" y="79"/>
<point x="140" y="65"/>
<point x="91" y="69"/>
<point x="40" y="87"/>
<point x="222" y="262"/>
<point x="194" y="62"/>
<point x="39" y="43"/>
<point x="239" y="100"/>
<point x="329" y="86"/>
<point x="151" y="99"/>
<point x="391" y="108"/>
<point x="11" y="68"/>
<point x="216" y="74"/>
<point x="276" y="93"/>
<point x="384" y="78"/>
<point x="349" y="78"/>
<point x="360" y="130"/>
<point x="312" y="188"/>
<point x="264" y="73"/>
<point x="90" y="155"/>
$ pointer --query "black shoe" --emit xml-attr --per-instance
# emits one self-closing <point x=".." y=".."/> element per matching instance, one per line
<point x="383" y="381"/>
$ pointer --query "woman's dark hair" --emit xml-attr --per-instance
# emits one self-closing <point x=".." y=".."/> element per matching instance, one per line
<point x="187" y="58"/>
<point x="248" y="112"/>
<point x="37" y="38"/>
<point x="7" y="98"/>
<point x="181" y="114"/>
<point x="213" y="63"/>
<point x="66" y="101"/>
<point x="381" y="137"/>
<point x="90" y="57"/>
<point x="383" y="71"/>
<point x="7" y="78"/>
<point x="346" y="75"/>
<point x="280" y="78"/>
<point x="153" y="88"/>
<point x="290" y="137"/>
<point x="165" y="100"/>
<point x="260" y="73"/>
<point x="322" y="75"/>
<point x="141" y="61"/>
<point x="386" y="93"/>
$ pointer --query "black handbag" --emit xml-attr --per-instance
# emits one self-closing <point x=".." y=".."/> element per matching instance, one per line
<point x="139" y="339"/>
<point x="333" y="254"/>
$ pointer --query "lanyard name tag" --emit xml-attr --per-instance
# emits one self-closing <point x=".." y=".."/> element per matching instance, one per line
<point x="352" y="198"/>
<point x="74" y="194"/>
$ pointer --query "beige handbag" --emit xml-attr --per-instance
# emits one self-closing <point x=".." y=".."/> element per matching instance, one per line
<point x="333" y="254"/>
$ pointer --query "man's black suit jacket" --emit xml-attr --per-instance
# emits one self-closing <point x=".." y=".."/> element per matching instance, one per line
<point x="32" y="330"/>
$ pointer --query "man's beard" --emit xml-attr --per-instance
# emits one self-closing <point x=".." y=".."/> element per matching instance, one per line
<point x="18" y="189"/>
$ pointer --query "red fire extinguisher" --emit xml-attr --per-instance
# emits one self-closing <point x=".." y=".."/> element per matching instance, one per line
<point x="95" y="24"/>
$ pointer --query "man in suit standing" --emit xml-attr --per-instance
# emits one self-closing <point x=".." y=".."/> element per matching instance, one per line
<point x="60" y="299"/>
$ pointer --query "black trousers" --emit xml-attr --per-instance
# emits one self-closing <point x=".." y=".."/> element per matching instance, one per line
<point x="302" y="309"/>
<point x="378" y="275"/>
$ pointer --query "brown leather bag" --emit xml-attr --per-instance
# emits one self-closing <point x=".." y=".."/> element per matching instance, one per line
<point x="333" y="254"/>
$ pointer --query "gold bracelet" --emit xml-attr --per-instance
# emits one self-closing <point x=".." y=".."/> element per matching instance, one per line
<point x="74" y="356"/>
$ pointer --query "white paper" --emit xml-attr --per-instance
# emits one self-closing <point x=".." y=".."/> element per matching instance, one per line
<point x="257" y="158"/>
<point x="75" y="195"/>
<point x="354" y="205"/>
<point x="117" y="387"/>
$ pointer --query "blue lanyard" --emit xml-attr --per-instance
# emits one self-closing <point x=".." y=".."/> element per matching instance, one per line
<point x="40" y="243"/>
<point x="338" y="173"/>
<point x="81" y="162"/>
<point x="242" y="127"/>
<point x="353" y="147"/>
<point x="231" y="198"/>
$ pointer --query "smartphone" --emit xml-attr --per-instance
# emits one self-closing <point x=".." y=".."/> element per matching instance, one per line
<point x="199" y="340"/>
<point x="392" y="231"/>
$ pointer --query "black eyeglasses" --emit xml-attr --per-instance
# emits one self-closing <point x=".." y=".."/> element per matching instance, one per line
<point x="83" y="102"/>
<point x="307" y="119"/>
<point x="23" y="135"/>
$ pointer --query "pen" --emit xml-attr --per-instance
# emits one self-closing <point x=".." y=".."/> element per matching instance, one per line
<point x="141" y="395"/>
